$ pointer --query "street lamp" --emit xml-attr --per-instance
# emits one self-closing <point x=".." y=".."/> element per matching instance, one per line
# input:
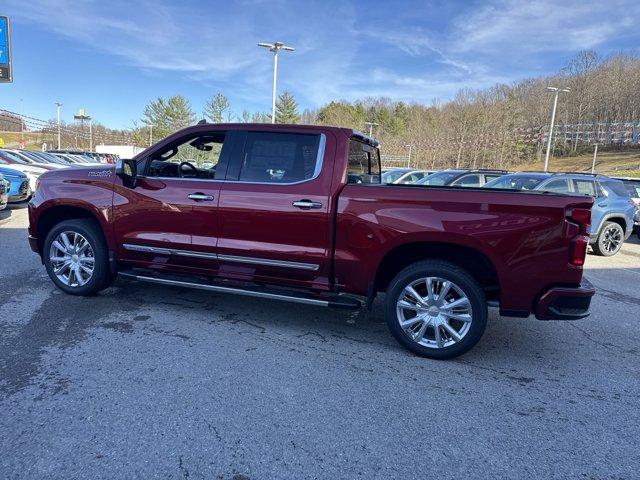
<point x="82" y="117"/>
<point x="553" y="119"/>
<point x="409" y="159"/>
<point x="58" y="105"/>
<point x="275" y="47"/>
<point x="371" y="125"/>
<point x="150" y="125"/>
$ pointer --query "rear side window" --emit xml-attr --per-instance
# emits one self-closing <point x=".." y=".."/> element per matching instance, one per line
<point x="559" y="185"/>
<point x="585" y="187"/>
<point x="364" y="163"/>
<point x="280" y="157"/>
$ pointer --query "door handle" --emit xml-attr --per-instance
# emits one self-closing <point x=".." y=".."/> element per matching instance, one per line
<point x="201" y="197"/>
<point x="306" y="204"/>
<point x="602" y="204"/>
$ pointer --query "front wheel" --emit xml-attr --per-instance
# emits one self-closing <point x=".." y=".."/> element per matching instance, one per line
<point x="609" y="240"/>
<point x="76" y="257"/>
<point x="436" y="309"/>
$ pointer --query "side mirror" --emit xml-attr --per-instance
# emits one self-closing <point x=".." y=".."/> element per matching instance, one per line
<point x="127" y="170"/>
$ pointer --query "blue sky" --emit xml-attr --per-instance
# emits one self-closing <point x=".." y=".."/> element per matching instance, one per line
<point x="113" y="57"/>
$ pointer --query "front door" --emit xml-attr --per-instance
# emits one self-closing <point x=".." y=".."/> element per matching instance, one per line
<point x="274" y="209"/>
<point x="169" y="220"/>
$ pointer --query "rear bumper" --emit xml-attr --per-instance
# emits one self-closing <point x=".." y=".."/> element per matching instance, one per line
<point x="565" y="303"/>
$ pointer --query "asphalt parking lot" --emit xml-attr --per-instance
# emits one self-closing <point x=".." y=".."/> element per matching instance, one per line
<point x="148" y="381"/>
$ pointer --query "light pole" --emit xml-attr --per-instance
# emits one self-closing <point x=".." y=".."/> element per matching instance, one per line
<point x="58" y="105"/>
<point x="150" y="134"/>
<point x="82" y="117"/>
<point x="22" y="119"/>
<point x="553" y="119"/>
<point x="371" y="124"/>
<point x="409" y="159"/>
<point x="593" y="163"/>
<point x="275" y="47"/>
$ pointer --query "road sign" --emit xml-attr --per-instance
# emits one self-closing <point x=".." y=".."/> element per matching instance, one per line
<point x="21" y="145"/>
<point x="5" y="51"/>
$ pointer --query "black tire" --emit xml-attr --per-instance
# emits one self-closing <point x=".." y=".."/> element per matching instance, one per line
<point x="453" y="273"/>
<point x="602" y="246"/>
<point x="101" y="277"/>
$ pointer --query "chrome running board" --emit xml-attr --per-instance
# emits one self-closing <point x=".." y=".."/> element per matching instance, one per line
<point x="333" y="301"/>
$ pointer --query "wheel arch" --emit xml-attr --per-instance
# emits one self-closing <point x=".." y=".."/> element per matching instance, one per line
<point x="618" y="218"/>
<point x="479" y="266"/>
<point x="55" y="214"/>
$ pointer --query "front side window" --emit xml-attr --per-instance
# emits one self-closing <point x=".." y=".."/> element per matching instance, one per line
<point x="468" y="181"/>
<point x="364" y="163"/>
<point x="197" y="156"/>
<point x="280" y="157"/>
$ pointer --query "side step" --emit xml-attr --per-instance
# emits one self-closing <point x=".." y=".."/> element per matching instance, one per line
<point x="331" y="301"/>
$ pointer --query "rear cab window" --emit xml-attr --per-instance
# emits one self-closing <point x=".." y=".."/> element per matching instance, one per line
<point x="363" y="166"/>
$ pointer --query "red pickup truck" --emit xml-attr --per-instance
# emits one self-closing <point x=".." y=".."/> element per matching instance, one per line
<point x="298" y="213"/>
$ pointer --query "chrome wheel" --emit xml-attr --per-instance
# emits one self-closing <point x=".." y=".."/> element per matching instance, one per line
<point x="611" y="238"/>
<point x="72" y="259"/>
<point x="434" y="312"/>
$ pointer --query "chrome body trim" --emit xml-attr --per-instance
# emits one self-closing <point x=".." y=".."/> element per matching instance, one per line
<point x="222" y="258"/>
<point x="268" y="262"/>
<point x="239" y="291"/>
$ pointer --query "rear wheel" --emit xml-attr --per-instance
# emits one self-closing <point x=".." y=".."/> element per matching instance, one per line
<point x="436" y="309"/>
<point x="76" y="257"/>
<point x="609" y="240"/>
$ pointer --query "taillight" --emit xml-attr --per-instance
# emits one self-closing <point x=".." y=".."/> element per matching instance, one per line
<point x="581" y="216"/>
<point x="578" y="250"/>
<point x="579" y="219"/>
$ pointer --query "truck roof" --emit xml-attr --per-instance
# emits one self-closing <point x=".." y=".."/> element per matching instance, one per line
<point x="350" y="132"/>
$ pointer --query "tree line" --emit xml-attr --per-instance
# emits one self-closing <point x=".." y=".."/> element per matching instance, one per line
<point x="499" y="126"/>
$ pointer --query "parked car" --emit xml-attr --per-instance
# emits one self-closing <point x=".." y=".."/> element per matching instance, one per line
<point x="393" y="174"/>
<point x="413" y="176"/>
<point x="26" y="157"/>
<point x="92" y="156"/>
<point x="633" y="188"/>
<point x="277" y="219"/>
<point x="22" y="163"/>
<point x="4" y="192"/>
<point x="461" y="178"/>
<point x="612" y="216"/>
<point x="518" y="181"/>
<point x="19" y="189"/>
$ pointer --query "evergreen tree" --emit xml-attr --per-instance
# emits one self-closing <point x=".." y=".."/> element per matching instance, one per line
<point x="168" y="115"/>
<point x="287" y="109"/>
<point x="216" y="109"/>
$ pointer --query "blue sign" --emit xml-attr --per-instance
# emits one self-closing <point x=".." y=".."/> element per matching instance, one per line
<point x="5" y="51"/>
<point x="4" y="32"/>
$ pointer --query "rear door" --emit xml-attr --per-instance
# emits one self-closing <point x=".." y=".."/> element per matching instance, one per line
<point x="274" y="209"/>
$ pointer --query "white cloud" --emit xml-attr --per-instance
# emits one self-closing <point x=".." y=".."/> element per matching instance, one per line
<point x="543" y="26"/>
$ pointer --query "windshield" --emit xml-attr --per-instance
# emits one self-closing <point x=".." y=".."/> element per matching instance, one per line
<point x="392" y="175"/>
<point x="440" y="178"/>
<point x="14" y="158"/>
<point x="516" y="182"/>
<point x="615" y="186"/>
<point x="633" y="188"/>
